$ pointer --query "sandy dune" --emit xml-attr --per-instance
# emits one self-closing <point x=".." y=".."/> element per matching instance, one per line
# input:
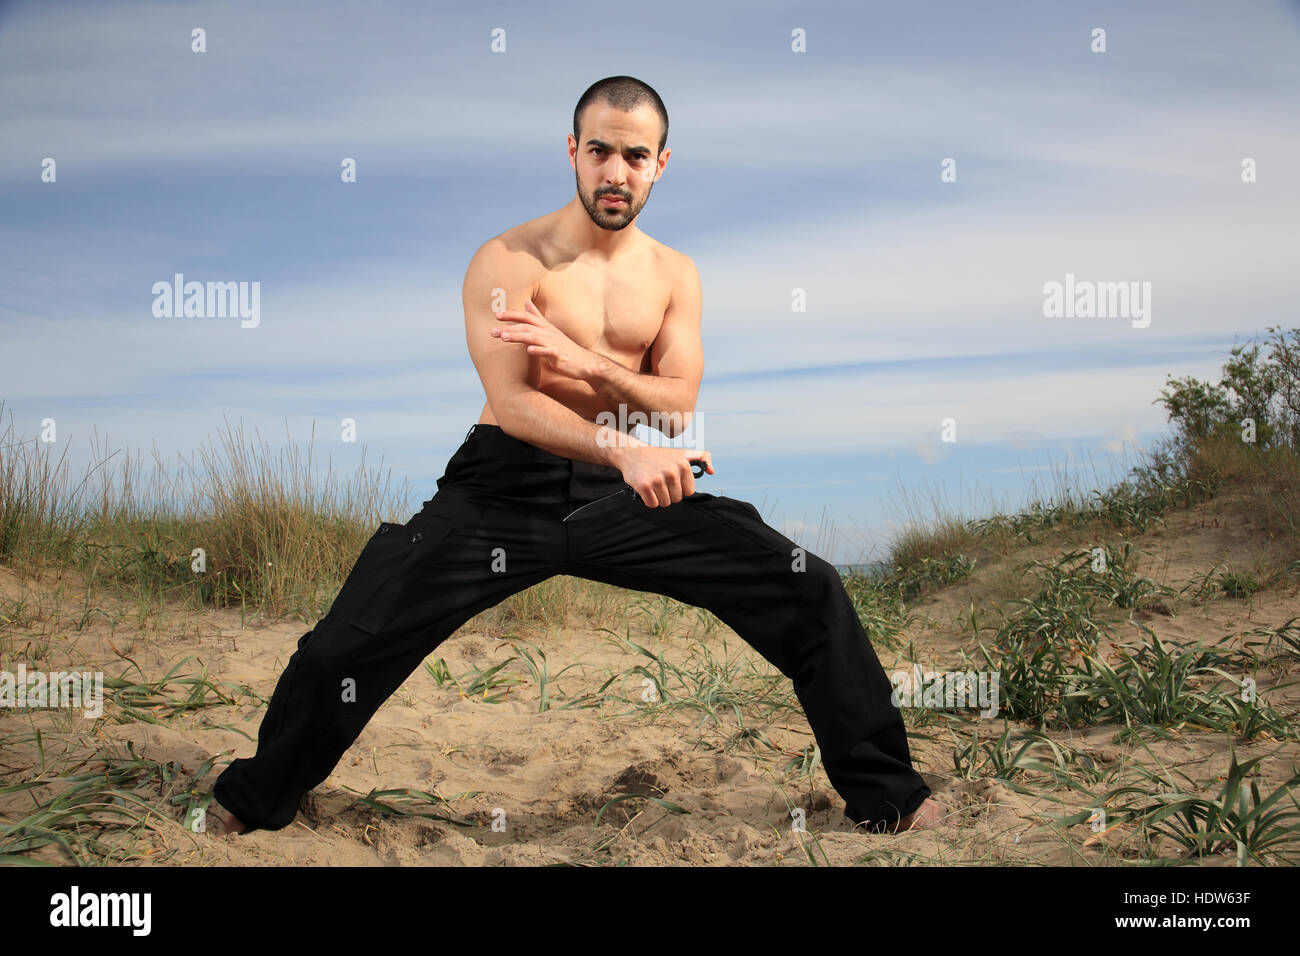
<point x="551" y="773"/>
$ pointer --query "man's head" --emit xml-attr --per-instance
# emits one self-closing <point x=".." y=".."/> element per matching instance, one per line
<point x="620" y="128"/>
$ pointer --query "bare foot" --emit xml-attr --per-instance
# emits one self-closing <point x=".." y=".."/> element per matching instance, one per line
<point x="928" y="815"/>
<point x="221" y="821"/>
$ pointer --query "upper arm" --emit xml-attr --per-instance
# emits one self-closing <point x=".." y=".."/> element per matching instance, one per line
<point x="496" y="279"/>
<point x="677" y="350"/>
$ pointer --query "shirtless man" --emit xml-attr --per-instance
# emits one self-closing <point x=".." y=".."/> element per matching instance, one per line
<point x="568" y="316"/>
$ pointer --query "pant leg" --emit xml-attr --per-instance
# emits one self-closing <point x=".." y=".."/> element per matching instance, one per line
<point x="717" y="553"/>
<point x="411" y="588"/>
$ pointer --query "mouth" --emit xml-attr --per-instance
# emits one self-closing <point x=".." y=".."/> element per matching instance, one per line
<point x="613" y="201"/>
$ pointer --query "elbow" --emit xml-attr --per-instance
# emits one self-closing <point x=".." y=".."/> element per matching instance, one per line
<point x="509" y="411"/>
<point x="678" y="423"/>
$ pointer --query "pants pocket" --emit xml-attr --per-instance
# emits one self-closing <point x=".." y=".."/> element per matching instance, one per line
<point x="742" y="518"/>
<point x="374" y="589"/>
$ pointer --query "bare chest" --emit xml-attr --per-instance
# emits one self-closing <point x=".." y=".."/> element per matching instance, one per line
<point x="616" y="315"/>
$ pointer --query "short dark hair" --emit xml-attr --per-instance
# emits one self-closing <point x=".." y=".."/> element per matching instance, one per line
<point x="622" y="93"/>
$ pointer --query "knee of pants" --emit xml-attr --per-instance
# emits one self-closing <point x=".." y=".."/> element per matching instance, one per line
<point x="807" y="586"/>
<point x="819" y="582"/>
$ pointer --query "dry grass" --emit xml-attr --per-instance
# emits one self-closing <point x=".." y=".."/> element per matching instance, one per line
<point x="1114" y="723"/>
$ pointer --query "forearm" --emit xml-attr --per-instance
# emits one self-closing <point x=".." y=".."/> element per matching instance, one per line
<point x="665" y="401"/>
<point x="540" y="420"/>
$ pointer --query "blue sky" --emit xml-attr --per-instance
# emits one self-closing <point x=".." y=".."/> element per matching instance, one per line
<point x="925" y="298"/>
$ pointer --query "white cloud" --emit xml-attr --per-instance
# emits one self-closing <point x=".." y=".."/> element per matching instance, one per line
<point x="1123" y="168"/>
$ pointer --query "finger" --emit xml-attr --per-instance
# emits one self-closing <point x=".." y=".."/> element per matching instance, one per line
<point x="661" y="494"/>
<point x="708" y="461"/>
<point x="674" y="483"/>
<point x="688" y="480"/>
<point x="521" y="335"/>
<point x="517" y="327"/>
<point x="514" y="315"/>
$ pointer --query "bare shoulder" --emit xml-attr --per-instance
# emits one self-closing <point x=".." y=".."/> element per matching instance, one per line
<point x="513" y="258"/>
<point x="518" y="243"/>
<point x="676" y="267"/>
<point x="686" y="282"/>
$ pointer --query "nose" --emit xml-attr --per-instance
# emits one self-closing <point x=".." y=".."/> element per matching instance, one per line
<point x="616" y="173"/>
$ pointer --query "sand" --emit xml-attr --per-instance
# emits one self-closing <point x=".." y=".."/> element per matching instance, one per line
<point x="543" y="778"/>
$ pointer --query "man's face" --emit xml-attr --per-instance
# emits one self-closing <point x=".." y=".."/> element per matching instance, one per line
<point x="616" y="159"/>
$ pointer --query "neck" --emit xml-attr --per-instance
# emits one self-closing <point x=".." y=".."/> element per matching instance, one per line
<point x="578" y="231"/>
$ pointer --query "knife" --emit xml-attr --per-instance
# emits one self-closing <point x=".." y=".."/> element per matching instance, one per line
<point x="611" y="502"/>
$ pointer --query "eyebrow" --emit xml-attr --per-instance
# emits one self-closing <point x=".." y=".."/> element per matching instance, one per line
<point x="630" y="149"/>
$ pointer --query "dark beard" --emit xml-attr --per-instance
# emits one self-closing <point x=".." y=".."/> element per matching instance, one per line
<point x="594" y="211"/>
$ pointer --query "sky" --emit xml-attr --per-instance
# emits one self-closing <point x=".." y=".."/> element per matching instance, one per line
<point x="813" y="149"/>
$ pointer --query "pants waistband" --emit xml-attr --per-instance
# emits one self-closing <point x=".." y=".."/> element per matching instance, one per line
<point x="491" y="462"/>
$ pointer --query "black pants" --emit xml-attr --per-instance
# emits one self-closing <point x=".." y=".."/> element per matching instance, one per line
<point x="494" y="528"/>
